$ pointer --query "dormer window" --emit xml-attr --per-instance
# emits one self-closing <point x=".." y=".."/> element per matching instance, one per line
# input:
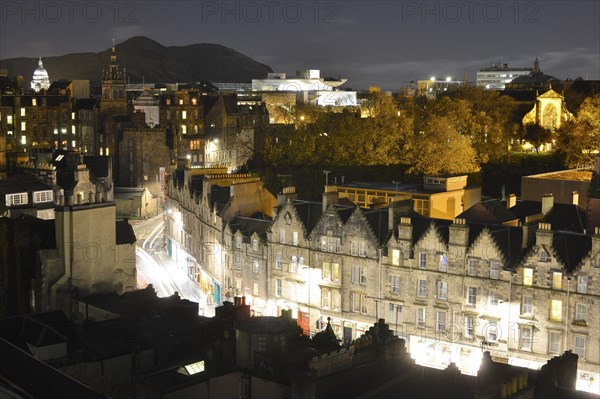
<point x="288" y="218"/>
<point x="543" y="256"/>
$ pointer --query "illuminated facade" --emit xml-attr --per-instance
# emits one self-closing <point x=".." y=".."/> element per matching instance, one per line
<point x="450" y="288"/>
<point x="496" y="76"/>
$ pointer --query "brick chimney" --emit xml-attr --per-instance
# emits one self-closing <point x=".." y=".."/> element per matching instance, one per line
<point x="547" y="203"/>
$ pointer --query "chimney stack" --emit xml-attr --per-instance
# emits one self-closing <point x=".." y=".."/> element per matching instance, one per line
<point x="511" y="201"/>
<point x="575" y="198"/>
<point x="330" y="196"/>
<point x="547" y="203"/>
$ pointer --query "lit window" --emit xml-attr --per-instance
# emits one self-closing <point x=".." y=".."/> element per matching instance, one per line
<point x="527" y="276"/>
<point x="194" y="368"/>
<point x="421" y="288"/>
<point x="556" y="280"/>
<point x="10" y="132"/>
<point x="443" y="263"/>
<point x="73" y="143"/>
<point x="255" y="291"/>
<point x="183" y="114"/>
<point x="325" y="298"/>
<point x="527" y="305"/>
<point x="579" y="346"/>
<point x="554" y="341"/>
<point x="34" y="102"/>
<point x="23" y="140"/>
<point x="181" y="102"/>
<point x="194" y="101"/>
<point x="395" y="257"/>
<point x="440" y="321"/>
<point x="73" y="129"/>
<point x="42" y="196"/>
<point x="494" y="270"/>
<point x="183" y="129"/>
<point x="16" y="199"/>
<point x="73" y="115"/>
<point x="23" y="126"/>
<point x="9" y="119"/>
<point x="22" y="111"/>
<point x="582" y="282"/>
<point x="395" y="284"/>
<point x="442" y="290"/>
<point x="556" y="310"/>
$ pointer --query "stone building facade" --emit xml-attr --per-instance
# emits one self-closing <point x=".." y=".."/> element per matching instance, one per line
<point x="450" y="288"/>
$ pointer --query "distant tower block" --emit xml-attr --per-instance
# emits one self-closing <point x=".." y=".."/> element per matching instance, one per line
<point x="40" y="80"/>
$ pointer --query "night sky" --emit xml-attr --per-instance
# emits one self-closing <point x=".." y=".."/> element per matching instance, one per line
<point x="384" y="43"/>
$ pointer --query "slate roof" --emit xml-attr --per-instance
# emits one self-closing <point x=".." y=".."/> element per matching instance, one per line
<point x="309" y="212"/>
<point x="571" y="248"/>
<point x="249" y="226"/>
<point x="488" y="212"/>
<point x="219" y="196"/>
<point x="567" y="217"/>
<point x="421" y="224"/>
<point x="124" y="233"/>
<point x="344" y="211"/>
<point x="379" y="222"/>
<point x="510" y="241"/>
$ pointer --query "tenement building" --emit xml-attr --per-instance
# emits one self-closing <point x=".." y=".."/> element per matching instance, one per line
<point x="525" y="291"/>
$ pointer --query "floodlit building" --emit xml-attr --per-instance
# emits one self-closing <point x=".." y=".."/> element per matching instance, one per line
<point x="496" y="76"/>
<point x="40" y="80"/>
<point x="518" y="283"/>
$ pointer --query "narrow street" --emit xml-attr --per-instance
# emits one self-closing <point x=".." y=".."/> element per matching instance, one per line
<point x="155" y="267"/>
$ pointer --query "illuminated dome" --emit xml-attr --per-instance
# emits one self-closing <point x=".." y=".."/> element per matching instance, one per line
<point x="41" y="79"/>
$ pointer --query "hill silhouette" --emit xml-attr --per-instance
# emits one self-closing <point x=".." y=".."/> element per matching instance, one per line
<point x="144" y="58"/>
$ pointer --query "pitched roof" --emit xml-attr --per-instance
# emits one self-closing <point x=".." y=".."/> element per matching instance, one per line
<point x="379" y="222"/>
<point x="250" y="225"/>
<point x="309" y="213"/>
<point x="568" y="217"/>
<point x="571" y="248"/>
<point x="488" y="212"/>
